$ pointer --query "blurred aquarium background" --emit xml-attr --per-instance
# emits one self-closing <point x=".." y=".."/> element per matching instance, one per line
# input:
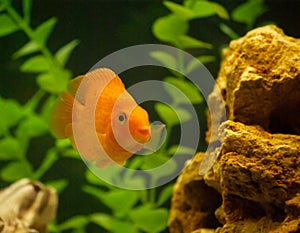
<point x="92" y="29"/>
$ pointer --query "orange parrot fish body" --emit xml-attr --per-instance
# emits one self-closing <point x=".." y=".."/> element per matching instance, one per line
<point x="122" y="127"/>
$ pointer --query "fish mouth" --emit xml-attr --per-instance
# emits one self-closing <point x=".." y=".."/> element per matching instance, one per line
<point x="143" y="134"/>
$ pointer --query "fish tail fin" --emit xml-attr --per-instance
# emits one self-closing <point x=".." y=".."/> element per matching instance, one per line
<point x="61" y="116"/>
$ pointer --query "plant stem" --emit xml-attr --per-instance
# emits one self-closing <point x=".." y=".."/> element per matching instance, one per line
<point x="143" y="196"/>
<point x="34" y="100"/>
<point x="152" y="194"/>
<point x="30" y="33"/>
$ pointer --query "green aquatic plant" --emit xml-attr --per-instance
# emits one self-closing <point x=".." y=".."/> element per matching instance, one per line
<point x="246" y="13"/>
<point x="119" y="210"/>
<point x="21" y="123"/>
<point x="130" y="211"/>
<point x="173" y="29"/>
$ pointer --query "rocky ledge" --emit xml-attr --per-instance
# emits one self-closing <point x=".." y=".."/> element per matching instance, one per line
<point x="254" y="186"/>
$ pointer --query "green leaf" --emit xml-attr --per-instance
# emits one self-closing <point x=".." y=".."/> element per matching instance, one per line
<point x="181" y="150"/>
<point x="9" y="149"/>
<point x="95" y="192"/>
<point x="28" y="48"/>
<point x="172" y="116"/>
<point x="220" y="10"/>
<point x="93" y="179"/>
<point x="201" y="9"/>
<point x="206" y="59"/>
<point x="165" y="58"/>
<point x="79" y="230"/>
<point x="27" y="10"/>
<point x="71" y="153"/>
<point x="181" y="11"/>
<point x="154" y="160"/>
<point x="35" y="64"/>
<point x="103" y="220"/>
<point x="228" y="31"/>
<point x="167" y="114"/>
<point x="78" y="221"/>
<point x="183" y="115"/>
<point x="134" y="163"/>
<point x="2" y="6"/>
<point x="59" y="185"/>
<point x="149" y="219"/>
<point x="161" y="173"/>
<point x="169" y="28"/>
<point x="120" y="201"/>
<point x="108" y="175"/>
<point x="15" y="171"/>
<point x="32" y="126"/>
<point x="54" y="82"/>
<point x="193" y="64"/>
<point x="248" y="12"/>
<point x="112" y="224"/>
<point x="63" y="54"/>
<point x="11" y="114"/>
<point x="8" y="26"/>
<point x="63" y="143"/>
<point x="133" y="181"/>
<point x="5" y="3"/>
<point x="188" y="89"/>
<point x="188" y="42"/>
<point x="165" y="194"/>
<point x="204" y="9"/>
<point x="44" y="30"/>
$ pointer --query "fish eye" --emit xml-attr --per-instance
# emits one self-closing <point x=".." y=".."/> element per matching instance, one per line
<point x="122" y="118"/>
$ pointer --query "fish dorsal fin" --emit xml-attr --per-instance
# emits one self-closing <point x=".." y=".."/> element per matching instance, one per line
<point x="102" y="77"/>
<point x="74" y="84"/>
<point x="96" y="79"/>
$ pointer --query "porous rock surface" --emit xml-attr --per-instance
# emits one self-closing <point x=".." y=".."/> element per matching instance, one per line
<point x="259" y="79"/>
<point x="254" y="186"/>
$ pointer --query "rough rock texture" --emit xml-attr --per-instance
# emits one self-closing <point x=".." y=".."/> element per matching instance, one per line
<point x="27" y="207"/>
<point x="259" y="79"/>
<point x="259" y="177"/>
<point x="254" y="186"/>
<point x="193" y="202"/>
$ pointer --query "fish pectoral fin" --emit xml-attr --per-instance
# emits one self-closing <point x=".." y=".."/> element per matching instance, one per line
<point x="158" y="136"/>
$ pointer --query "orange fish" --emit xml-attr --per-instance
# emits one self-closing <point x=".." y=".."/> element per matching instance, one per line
<point x="121" y="126"/>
